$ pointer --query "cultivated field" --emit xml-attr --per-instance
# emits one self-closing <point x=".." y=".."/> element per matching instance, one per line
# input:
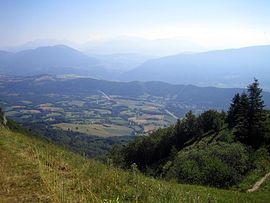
<point x="92" y="114"/>
<point x="102" y="130"/>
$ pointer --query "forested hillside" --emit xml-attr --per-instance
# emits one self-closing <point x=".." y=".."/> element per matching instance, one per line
<point x="220" y="149"/>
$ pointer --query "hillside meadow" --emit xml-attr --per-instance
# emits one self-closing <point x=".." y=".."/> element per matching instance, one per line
<point x="35" y="170"/>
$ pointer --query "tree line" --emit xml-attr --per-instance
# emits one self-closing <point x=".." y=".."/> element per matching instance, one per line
<point x="214" y="148"/>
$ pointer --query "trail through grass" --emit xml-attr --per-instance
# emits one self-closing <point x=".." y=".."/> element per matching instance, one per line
<point x="257" y="185"/>
<point x="34" y="170"/>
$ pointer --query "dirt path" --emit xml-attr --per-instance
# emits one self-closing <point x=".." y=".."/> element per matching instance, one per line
<point x="257" y="185"/>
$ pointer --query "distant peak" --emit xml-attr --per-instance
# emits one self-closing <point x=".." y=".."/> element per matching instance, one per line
<point x="57" y="46"/>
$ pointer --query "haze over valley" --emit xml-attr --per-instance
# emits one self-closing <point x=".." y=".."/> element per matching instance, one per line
<point x="135" y="101"/>
<point x="226" y="68"/>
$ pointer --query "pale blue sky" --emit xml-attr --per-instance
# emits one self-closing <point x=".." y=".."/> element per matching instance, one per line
<point x="220" y="23"/>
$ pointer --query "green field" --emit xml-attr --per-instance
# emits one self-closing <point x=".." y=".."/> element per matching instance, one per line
<point x="102" y="130"/>
<point x="122" y="116"/>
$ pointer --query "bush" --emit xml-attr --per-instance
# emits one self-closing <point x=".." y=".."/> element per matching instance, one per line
<point x="211" y="120"/>
<point x="220" y="165"/>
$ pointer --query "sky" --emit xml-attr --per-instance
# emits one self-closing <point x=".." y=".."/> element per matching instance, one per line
<point x="212" y="24"/>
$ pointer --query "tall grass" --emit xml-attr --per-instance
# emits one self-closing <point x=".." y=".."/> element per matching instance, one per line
<point x="70" y="177"/>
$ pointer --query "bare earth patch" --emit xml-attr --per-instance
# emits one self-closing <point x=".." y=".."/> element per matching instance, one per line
<point x="257" y="185"/>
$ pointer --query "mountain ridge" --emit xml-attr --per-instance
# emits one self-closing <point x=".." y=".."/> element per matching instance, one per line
<point x="224" y="68"/>
<point x="57" y="60"/>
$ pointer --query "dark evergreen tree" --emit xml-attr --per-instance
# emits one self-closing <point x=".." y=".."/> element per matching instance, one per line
<point x="248" y="116"/>
<point x="3" y="119"/>
<point x="233" y="111"/>
<point x="256" y="115"/>
<point x="241" y="121"/>
<point x="179" y="134"/>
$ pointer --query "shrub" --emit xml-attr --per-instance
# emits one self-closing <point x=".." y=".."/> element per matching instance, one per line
<point x="220" y="165"/>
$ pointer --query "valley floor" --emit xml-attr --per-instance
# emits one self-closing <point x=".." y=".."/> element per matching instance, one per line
<point x="35" y="170"/>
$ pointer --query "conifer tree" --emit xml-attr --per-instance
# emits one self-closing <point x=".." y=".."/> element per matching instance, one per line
<point x="241" y="121"/>
<point x="233" y="111"/>
<point x="256" y="114"/>
<point x="247" y="116"/>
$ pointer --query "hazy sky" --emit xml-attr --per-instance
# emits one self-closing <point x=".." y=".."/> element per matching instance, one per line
<point x="216" y="23"/>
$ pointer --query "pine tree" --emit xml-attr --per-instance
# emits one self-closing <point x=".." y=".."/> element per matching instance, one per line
<point x="241" y="121"/>
<point x="256" y="114"/>
<point x="233" y="111"/>
<point x="247" y="116"/>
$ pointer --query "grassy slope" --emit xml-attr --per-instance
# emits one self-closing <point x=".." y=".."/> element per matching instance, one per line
<point x="262" y="164"/>
<point x="33" y="169"/>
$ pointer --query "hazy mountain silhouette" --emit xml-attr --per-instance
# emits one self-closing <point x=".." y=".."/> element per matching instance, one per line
<point x="58" y="59"/>
<point x="157" y="47"/>
<point x="225" y="68"/>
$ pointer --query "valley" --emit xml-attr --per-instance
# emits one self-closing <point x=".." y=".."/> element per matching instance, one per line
<point x="90" y="115"/>
<point x="116" y="115"/>
<point x="128" y="108"/>
<point x="135" y="101"/>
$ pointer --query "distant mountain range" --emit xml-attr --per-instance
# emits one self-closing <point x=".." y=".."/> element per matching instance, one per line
<point x="224" y="68"/>
<point x="61" y="59"/>
<point x="56" y="60"/>
<point x="122" y="62"/>
<point x="116" y="45"/>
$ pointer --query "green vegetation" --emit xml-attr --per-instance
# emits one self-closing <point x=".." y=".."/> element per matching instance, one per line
<point x="2" y="117"/>
<point x="224" y="150"/>
<point x="88" y="145"/>
<point x="102" y="130"/>
<point x="35" y="170"/>
<point x="248" y="117"/>
<point x="39" y="104"/>
<point x="86" y="122"/>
